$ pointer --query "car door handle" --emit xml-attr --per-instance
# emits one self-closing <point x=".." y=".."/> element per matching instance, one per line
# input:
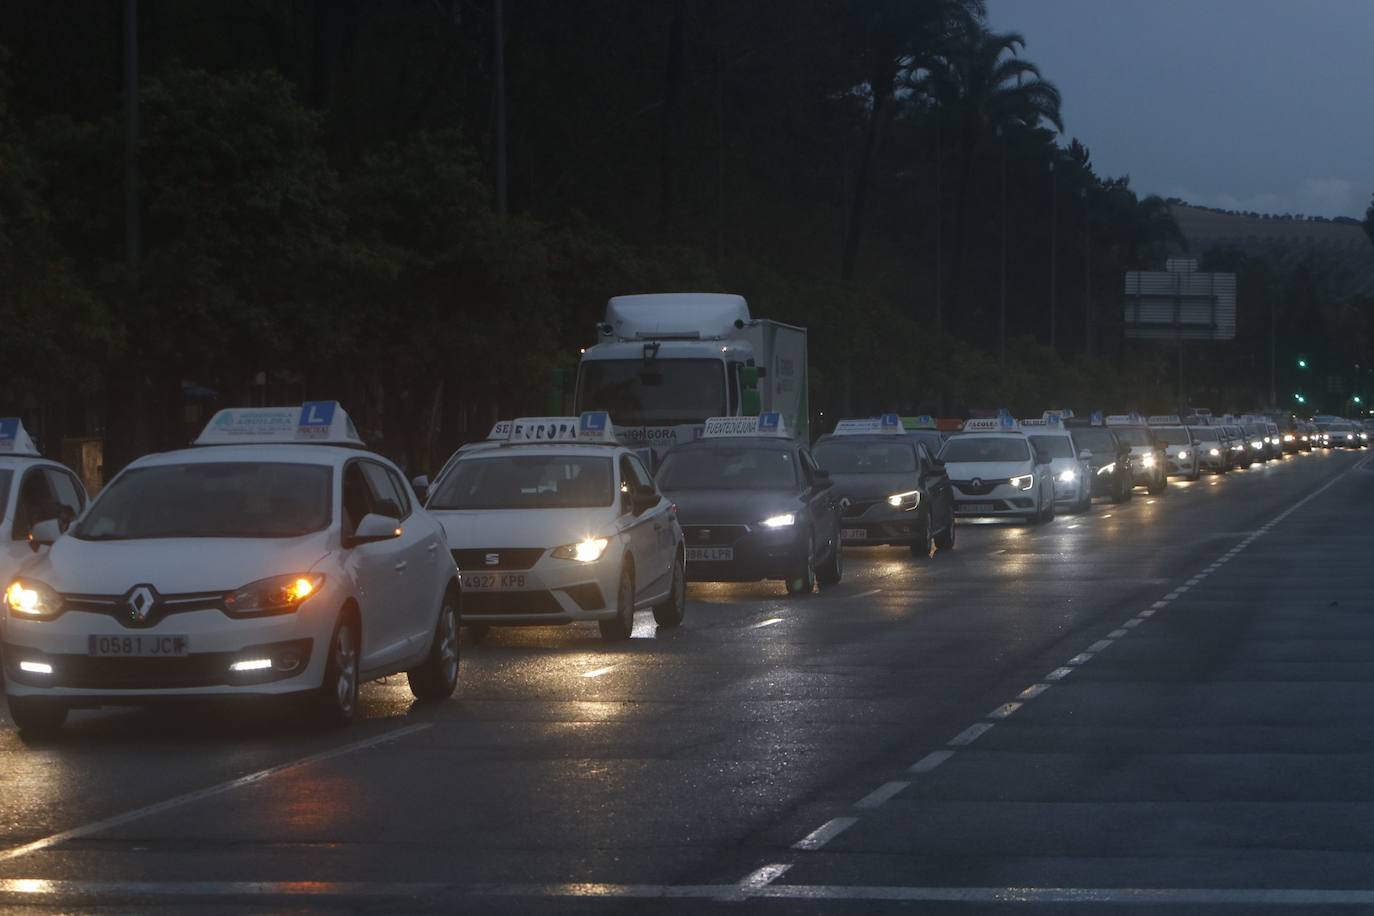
<point x="400" y="567"/>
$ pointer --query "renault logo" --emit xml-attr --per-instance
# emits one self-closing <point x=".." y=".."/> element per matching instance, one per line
<point x="976" y="482"/>
<point x="141" y="601"/>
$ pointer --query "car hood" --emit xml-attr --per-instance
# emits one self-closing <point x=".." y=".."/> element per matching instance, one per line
<point x="172" y="565"/>
<point x="872" y="486"/>
<point x="986" y="470"/>
<point x="546" y="528"/>
<point x="731" y="507"/>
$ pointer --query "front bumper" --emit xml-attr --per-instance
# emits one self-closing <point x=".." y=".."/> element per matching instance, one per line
<point x="1003" y="500"/>
<point x="549" y="593"/>
<point x="743" y="553"/>
<point x="879" y="524"/>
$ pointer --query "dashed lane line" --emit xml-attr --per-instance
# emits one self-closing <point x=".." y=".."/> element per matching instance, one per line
<point x="930" y="761"/>
<point x="825" y="833"/>
<point x="970" y="734"/>
<point x="881" y="795"/>
<point x="1033" y="691"/>
<point x="1005" y="711"/>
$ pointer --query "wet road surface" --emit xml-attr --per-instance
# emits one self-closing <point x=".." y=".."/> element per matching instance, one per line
<point x="1161" y="706"/>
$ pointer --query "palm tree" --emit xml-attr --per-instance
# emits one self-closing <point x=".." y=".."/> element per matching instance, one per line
<point x="986" y="86"/>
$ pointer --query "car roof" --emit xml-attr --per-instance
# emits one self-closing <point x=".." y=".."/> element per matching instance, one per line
<point x="9" y="462"/>
<point x="752" y="441"/>
<point x="326" y="455"/>
<point x="545" y="448"/>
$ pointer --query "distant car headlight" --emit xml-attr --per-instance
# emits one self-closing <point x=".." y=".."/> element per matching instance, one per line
<point x="1109" y="468"/>
<point x="786" y="520"/>
<point x="1288" y="437"/>
<point x="1257" y="444"/>
<point x="1023" y="481"/>
<point x="32" y="600"/>
<point x="587" y="551"/>
<point x="1364" y="436"/>
<point x="906" y="501"/>
<point x="1183" y="454"/>
<point x="1215" y="453"/>
<point x="1068" y="475"/>
<point x="277" y="595"/>
<point x="1147" y="460"/>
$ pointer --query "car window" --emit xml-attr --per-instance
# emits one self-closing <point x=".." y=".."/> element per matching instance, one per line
<point x="66" y="491"/>
<point x="1053" y="446"/>
<point x="34" y="504"/>
<point x="532" y="481"/>
<point x="986" y="448"/>
<point x="641" y="476"/>
<point x="386" y="498"/>
<point x="1173" y="435"/>
<point x="357" y="497"/>
<point x="729" y="468"/>
<point x="1098" y="441"/>
<point x="851" y="456"/>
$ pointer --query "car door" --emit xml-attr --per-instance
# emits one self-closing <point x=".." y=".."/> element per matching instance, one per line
<point x="935" y="483"/>
<point x="659" y="520"/>
<point x="824" y="516"/>
<point x="638" y="531"/>
<point x="419" y="547"/>
<point x="378" y="572"/>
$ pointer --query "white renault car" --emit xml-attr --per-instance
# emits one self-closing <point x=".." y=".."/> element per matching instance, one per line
<point x="561" y="524"/>
<point x="32" y="490"/>
<point x="276" y="558"/>
<point x="1073" y="483"/>
<point x="995" y="472"/>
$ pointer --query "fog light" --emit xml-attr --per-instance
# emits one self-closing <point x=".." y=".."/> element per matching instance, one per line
<point x="36" y="667"/>
<point x="288" y="661"/>
<point x="252" y="664"/>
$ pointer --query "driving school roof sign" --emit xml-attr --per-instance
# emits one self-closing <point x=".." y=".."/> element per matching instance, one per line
<point x="887" y="424"/>
<point x="593" y="426"/>
<point x="14" y="440"/>
<point x="323" y="422"/>
<point x="767" y="424"/>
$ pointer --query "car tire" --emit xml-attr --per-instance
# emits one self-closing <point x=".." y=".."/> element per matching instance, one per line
<point x="804" y="581"/>
<point x="36" y="717"/>
<point x="437" y="676"/>
<point x="670" y="612"/>
<point x="945" y="539"/>
<point x="619" y="627"/>
<point x="920" y="548"/>
<point x="337" y="700"/>
<point x="832" y="570"/>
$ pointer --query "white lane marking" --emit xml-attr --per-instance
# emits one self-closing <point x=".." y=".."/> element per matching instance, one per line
<point x="1082" y="658"/>
<point x="825" y="833"/>
<point x="930" y="761"/>
<point x="177" y="801"/>
<point x="1151" y="611"/>
<point x="1033" y="691"/>
<point x="764" y="876"/>
<point x="1116" y="634"/>
<point x="994" y="553"/>
<point x="881" y="795"/>
<point x="1174" y="594"/>
<point x="765" y="623"/>
<point x="1075" y="526"/>
<point x="969" y="735"/>
<point x="597" y="672"/>
<point x="1195" y="580"/>
<point x="1106" y="515"/>
<point x="1133" y="622"/>
<point x="1004" y="711"/>
<point x="1159" y="604"/>
<point x="1058" y="674"/>
<point x="869" y="593"/>
<point x="1099" y="646"/>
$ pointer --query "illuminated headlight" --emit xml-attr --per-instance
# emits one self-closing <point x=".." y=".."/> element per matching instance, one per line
<point x="907" y="501"/>
<point x="35" y="667"/>
<point x="588" y="551"/>
<point x="1147" y="461"/>
<point x="1364" y="436"/>
<point x="1068" y="475"/>
<point x="1107" y="469"/>
<point x="252" y="664"/>
<point x="32" y="600"/>
<point x="787" y="520"/>
<point x="1215" y="453"/>
<point x="277" y="595"/>
<point x="1023" y="482"/>
<point x="1288" y="437"/>
<point x="1257" y="444"/>
<point x="1183" y="455"/>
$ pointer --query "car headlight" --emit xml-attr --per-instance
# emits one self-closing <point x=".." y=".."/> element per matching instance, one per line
<point x="277" y="595"/>
<point x="1364" y="435"/>
<point x="586" y="551"/>
<point x="786" y="520"/>
<point x="30" y="599"/>
<point x="1068" y="475"/>
<point x="1107" y="469"/>
<point x="1023" y="481"/>
<point x="1183" y="454"/>
<point x="1288" y="437"/>
<point x="905" y="501"/>
<point x="1147" y="461"/>
<point x="1215" y="453"/>
<point x="1257" y="444"/>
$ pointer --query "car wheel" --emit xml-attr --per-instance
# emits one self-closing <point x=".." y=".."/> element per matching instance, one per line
<point x="338" y="696"/>
<point x="437" y="677"/>
<point x="920" y="548"/>
<point x="832" y="570"/>
<point x="670" y="612"/>
<point x="804" y="581"/>
<point x="619" y="627"/>
<point x="36" y="717"/>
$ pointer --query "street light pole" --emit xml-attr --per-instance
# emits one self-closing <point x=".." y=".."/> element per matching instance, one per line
<point x="1054" y="250"/>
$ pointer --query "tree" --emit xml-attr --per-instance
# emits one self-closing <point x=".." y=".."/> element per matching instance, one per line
<point x="1369" y="220"/>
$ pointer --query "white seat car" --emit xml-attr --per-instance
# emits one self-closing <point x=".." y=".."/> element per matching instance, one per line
<point x="1180" y="449"/>
<point x="32" y="490"/>
<point x="277" y="558"/>
<point x="561" y="524"/>
<point x="1071" y="472"/>
<point x="995" y="472"/>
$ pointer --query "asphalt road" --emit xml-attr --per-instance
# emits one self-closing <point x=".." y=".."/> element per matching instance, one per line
<point x="1164" y="706"/>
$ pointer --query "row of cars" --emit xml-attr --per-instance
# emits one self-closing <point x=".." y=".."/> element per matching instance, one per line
<point x="278" y="557"/>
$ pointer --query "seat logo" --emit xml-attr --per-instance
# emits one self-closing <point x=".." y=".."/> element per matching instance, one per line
<point x="493" y="559"/>
<point x="141" y="601"/>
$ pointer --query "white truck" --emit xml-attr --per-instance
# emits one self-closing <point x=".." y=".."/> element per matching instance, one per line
<point x="665" y="362"/>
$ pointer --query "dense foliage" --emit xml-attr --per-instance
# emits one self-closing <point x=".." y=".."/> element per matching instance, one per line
<point x="318" y="212"/>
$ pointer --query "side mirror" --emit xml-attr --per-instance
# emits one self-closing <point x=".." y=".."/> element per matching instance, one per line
<point x="1085" y="455"/>
<point x="374" y="528"/>
<point x="421" y="487"/>
<point x="44" y="534"/>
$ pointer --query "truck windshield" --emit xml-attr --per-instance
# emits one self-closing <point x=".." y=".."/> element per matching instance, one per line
<point x="657" y="392"/>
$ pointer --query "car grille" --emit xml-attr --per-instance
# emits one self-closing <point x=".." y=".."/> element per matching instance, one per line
<point x="986" y="487"/>
<point x="535" y="602"/>
<point x="507" y="558"/>
<point x="858" y="507"/>
<point x="713" y="535"/>
<point x="164" y="606"/>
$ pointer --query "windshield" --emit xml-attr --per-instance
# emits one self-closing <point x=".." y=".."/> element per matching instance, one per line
<point x="5" y="478"/>
<point x="212" y="500"/>
<point x="1173" y="435"/>
<point x="526" y="482"/>
<point x="1098" y="441"/>
<point x="840" y="457"/>
<point x="656" y="392"/>
<point x="1053" y="446"/>
<point x="1133" y="435"/>
<point x="932" y="439"/>
<point x="742" y="468"/>
<point x="986" y="448"/>
<point x="1205" y="434"/>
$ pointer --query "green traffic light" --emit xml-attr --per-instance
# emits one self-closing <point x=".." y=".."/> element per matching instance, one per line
<point x="1302" y="364"/>
<point x="1300" y="399"/>
<point x="1357" y="399"/>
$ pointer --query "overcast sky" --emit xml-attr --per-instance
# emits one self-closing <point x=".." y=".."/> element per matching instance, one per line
<point x="1263" y="105"/>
